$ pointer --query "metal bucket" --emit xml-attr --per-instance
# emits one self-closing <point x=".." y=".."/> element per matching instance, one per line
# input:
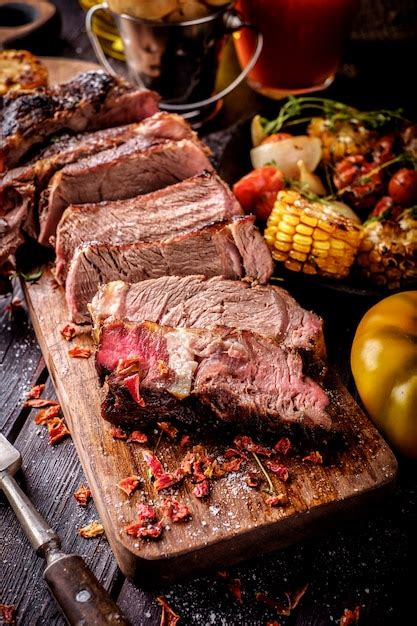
<point x="177" y="59"/>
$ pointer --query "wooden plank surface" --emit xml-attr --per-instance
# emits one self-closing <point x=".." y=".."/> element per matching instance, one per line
<point x="235" y="523"/>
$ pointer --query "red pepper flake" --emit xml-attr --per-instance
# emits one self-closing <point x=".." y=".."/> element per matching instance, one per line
<point x="185" y="440"/>
<point x="146" y="512"/>
<point x="350" y="617"/>
<point x="187" y="462"/>
<point x="314" y="457"/>
<point x="151" y="531"/>
<point x="235" y="588"/>
<point x="57" y="430"/>
<point x="283" y="446"/>
<point x="232" y="452"/>
<point x="246" y="443"/>
<point x="153" y="463"/>
<point x="166" y="480"/>
<point x="277" y="500"/>
<point x="146" y="527"/>
<point x="222" y="574"/>
<point x="278" y="469"/>
<point x="176" y="511"/>
<point x="272" y="623"/>
<point x="78" y="352"/>
<point x="39" y="403"/>
<point x="253" y="479"/>
<point x="35" y="392"/>
<point x="46" y="415"/>
<point x="129" y="484"/>
<point x="68" y="332"/>
<point x="118" y="433"/>
<point x="82" y="495"/>
<point x="8" y="613"/>
<point x="168" y="616"/>
<point x="137" y="437"/>
<point x="168" y="428"/>
<point x="232" y="466"/>
<point x="201" y="490"/>
<point x="276" y="605"/>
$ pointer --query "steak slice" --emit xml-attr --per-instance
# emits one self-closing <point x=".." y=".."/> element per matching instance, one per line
<point x="91" y="100"/>
<point x="197" y="301"/>
<point x="212" y="250"/>
<point x="193" y="203"/>
<point x="193" y="374"/>
<point x="20" y="187"/>
<point x="139" y="166"/>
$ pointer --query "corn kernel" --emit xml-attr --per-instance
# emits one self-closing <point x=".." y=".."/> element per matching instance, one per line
<point x="303" y="240"/>
<point x="321" y="245"/>
<point x="284" y="237"/>
<point x="303" y="229"/>
<point x="300" y="248"/>
<point x="298" y="256"/>
<point x="319" y="235"/>
<point x="287" y="228"/>
<point x="294" y="266"/>
<point x="282" y="246"/>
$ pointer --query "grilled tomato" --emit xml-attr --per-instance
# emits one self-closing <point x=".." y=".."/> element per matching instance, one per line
<point x="384" y="366"/>
<point x="257" y="191"/>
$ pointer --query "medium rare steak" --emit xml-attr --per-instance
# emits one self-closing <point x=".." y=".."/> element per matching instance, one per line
<point x="139" y="166"/>
<point x="196" y="301"/>
<point x="194" y="375"/>
<point x="234" y="249"/>
<point x="91" y="100"/>
<point x="193" y="203"/>
<point x="21" y="187"/>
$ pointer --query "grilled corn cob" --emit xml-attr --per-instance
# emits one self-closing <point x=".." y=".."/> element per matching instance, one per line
<point x="310" y="237"/>
<point x="388" y="251"/>
<point x="341" y="138"/>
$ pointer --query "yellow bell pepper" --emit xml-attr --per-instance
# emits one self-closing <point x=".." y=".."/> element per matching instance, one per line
<point x="384" y="366"/>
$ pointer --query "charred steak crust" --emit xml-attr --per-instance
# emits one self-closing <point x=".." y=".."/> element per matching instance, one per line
<point x="92" y="99"/>
<point x="228" y="375"/>
<point x="195" y="202"/>
<point x="211" y="250"/>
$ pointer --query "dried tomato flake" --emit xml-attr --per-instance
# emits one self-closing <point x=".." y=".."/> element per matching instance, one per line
<point x="165" y="480"/>
<point x="146" y="512"/>
<point x="57" y="430"/>
<point x="68" y="332"/>
<point x="176" y="511"/>
<point x="129" y="484"/>
<point x="201" y="490"/>
<point x="232" y="452"/>
<point x="137" y="437"/>
<point x="277" y="469"/>
<point x="275" y="605"/>
<point x="151" y="531"/>
<point x="283" y="446"/>
<point x="168" y="428"/>
<point x="350" y="617"/>
<point x="153" y="463"/>
<point x="133" y="529"/>
<point x="46" y="415"/>
<point x="118" y="433"/>
<point x="187" y="462"/>
<point x="93" y="529"/>
<point x="278" y="500"/>
<point x="233" y="465"/>
<point x="77" y="352"/>
<point x="235" y="588"/>
<point x="314" y="457"/>
<point x="39" y="403"/>
<point x="35" y="392"/>
<point x="168" y="616"/>
<point x="253" y="479"/>
<point x="185" y="440"/>
<point x="272" y="623"/>
<point x="82" y="495"/>
<point x="8" y="613"/>
<point x="246" y="443"/>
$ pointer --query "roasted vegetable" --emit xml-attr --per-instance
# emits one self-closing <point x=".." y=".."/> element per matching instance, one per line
<point x="257" y="191"/>
<point x="286" y="153"/>
<point x="341" y="138"/>
<point x="403" y="187"/>
<point x="310" y="236"/>
<point x="384" y="366"/>
<point x="388" y="250"/>
<point x="19" y="69"/>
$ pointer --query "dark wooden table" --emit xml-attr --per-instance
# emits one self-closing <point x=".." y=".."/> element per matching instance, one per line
<point x="368" y="563"/>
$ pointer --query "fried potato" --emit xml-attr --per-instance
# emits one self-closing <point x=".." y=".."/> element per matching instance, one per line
<point x="144" y="9"/>
<point x="19" y="70"/>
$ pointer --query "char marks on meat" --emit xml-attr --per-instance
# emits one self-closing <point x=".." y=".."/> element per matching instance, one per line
<point x="195" y="301"/>
<point x="217" y="374"/>
<point x="91" y="100"/>
<point x="192" y="203"/>
<point x="139" y="166"/>
<point x="212" y="250"/>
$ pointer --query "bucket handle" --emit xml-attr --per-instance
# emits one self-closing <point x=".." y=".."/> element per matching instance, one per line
<point x="232" y="24"/>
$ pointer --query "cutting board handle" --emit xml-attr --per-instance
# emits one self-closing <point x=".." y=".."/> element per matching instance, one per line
<point x="19" y="19"/>
<point x="83" y="600"/>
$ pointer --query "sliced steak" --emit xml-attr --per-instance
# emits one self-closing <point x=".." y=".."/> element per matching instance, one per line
<point x="193" y="203"/>
<point x="212" y="250"/>
<point x="220" y="374"/>
<point x="20" y="187"/>
<point x="195" y="301"/>
<point x="91" y="100"/>
<point x="139" y="166"/>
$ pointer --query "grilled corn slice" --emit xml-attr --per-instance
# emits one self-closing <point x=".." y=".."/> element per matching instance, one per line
<point x="388" y="251"/>
<point x="310" y="237"/>
<point x="341" y="138"/>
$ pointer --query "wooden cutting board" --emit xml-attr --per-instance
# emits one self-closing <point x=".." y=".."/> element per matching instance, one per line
<point x="234" y="523"/>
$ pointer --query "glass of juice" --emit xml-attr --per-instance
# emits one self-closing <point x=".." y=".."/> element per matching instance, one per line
<point x="303" y="41"/>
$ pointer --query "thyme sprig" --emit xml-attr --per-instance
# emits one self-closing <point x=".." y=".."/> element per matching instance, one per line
<point x="271" y="489"/>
